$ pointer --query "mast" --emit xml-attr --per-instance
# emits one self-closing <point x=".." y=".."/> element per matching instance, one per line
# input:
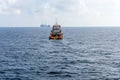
<point x="56" y="21"/>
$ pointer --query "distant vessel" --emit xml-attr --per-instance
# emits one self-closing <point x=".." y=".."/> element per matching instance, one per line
<point x="56" y="32"/>
<point x="44" y="25"/>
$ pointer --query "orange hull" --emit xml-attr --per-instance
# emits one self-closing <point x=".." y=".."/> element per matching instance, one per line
<point x="56" y="37"/>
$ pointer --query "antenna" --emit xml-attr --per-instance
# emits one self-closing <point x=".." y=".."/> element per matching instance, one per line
<point x="56" y="20"/>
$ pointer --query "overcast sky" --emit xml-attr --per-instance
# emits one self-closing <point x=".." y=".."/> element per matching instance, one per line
<point x="68" y="12"/>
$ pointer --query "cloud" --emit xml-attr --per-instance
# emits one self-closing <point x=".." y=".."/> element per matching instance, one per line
<point x="17" y="11"/>
<point x="8" y="6"/>
<point x="68" y="12"/>
<point x="12" y="1"/>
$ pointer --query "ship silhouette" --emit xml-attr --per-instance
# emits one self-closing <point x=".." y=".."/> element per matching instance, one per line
<point x="44" y="25"/>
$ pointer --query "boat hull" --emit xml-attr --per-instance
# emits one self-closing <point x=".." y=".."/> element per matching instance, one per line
<point x="56" y="37"/>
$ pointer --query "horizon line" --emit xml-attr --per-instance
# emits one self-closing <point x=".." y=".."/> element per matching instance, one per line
<point x="51" y="26"/>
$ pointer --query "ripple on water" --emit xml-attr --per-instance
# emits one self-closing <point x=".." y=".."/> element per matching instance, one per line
<point x="60" y="74"/>
<point x="28" y="54"/>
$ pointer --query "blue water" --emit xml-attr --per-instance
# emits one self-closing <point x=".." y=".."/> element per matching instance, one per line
<point x="83" y="54"/>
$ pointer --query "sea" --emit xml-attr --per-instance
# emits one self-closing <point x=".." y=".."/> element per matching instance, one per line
<point x="84" y="53"/>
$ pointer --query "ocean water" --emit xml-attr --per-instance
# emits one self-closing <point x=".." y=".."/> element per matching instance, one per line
<point x="83" y="54"/>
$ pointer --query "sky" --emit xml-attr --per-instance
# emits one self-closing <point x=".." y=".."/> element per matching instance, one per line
<point x="19" y="13"/>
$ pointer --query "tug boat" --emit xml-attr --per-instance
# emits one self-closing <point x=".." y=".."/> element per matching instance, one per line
<point x="56" y="32"/>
